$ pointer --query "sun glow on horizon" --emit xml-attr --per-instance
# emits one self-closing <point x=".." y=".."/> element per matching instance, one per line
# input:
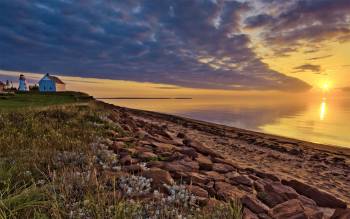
<point x="326" y="86"/>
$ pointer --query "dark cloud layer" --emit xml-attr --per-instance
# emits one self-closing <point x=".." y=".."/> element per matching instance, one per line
<point x="308" y="67"/>
<point x="298" y="23"/>
<point x="149" y="41"/>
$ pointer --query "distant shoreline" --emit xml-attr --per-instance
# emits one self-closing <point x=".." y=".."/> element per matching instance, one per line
<point x="144" y="98"/>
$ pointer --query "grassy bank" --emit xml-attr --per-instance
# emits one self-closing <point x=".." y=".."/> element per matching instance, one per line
<point x="51" y="162"/>
<point x="14" y="101"/>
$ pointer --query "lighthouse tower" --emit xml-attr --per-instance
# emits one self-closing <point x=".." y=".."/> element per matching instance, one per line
<point x="22" y="83"/>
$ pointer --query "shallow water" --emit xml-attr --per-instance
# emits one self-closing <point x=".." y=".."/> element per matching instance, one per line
<point x="321" y="120"/>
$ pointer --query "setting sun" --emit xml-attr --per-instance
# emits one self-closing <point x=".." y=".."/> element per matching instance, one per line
<point x="325" y="86"/>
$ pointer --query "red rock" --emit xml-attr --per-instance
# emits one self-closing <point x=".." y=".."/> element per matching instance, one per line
<point x="141" y="134"/>
<point x="181" y="166"/>
<point x="284" y="191"/>
<point x="321" y="198"/>
<point x="197" y="191"/>
<point x="158" y="164"/>
<point x="221" y="160"/>
<point x="243" y="180"/>
<point x="341" y="214"/>
<point x="195" y="178"/>
<point x="127" y="160"/>
<point x="214" y="175"/>
<point x="312" y="212"/>
<point x="158" y="176"/>
<point x="163" y="146"/>
<point x="291" y="209"/>
<point x="191" y="152"/>
<point x="259" y="185"/>
<point x="204" y="162"/>
<point x="213" y="203"/>
<point x="201" y="148"/>
<point x="226" y="191"/>
<point x="254" y="204"/>
<point x="306" y="201"/>
<point x="176" y="156"/>
<point x="231" y="175"/>
<point x="271" y="199"/>
<point x="181" y="135"/>
<point x="266" y="175"/>
<point x="222" y="168"/>
<point x="247" y="214"/>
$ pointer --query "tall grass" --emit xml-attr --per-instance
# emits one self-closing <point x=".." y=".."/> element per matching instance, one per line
<point x="47" y="169"/>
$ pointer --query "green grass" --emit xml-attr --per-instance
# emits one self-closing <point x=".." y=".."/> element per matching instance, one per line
<point x="37" y="99"/>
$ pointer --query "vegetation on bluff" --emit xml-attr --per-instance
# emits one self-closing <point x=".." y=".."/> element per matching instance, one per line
<point x="14" y="101"/>
<point x="51" y="159"/>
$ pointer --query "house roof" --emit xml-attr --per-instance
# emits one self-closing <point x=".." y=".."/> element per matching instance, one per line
<point x="56" y="79"/>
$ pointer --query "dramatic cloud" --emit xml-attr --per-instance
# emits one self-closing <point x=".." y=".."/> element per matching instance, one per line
<point x="196" y="43"/>
<point x="308" y="67"/>
<point x="303" y="22"/>
<point x="319" y="57"/>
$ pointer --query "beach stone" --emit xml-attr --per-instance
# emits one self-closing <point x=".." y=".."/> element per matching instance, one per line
<point x="176" y="156"/>
<point x="284" y="191"/>
<point x="214" y="175"/>
<point x="291" y="209"/>
<point x="204" y="162"/>
<point x="341" y="214"/>
<point x="156" y="163"/>
<point x="312" y="212"/>
<point x="184" y="165"/>
<point x="197" y="191"/>
<point x="266" y="175"/>
<point x="158" y="176"/>
<point x="195" y="178"/>
<point x="141" y="134"/>
<point x="243" y="180"/>
<point x="306" y="201"/>
<point x="162" y="147"/>
<point x="201" y="148"/>
<point x="321" y="198"/>
<point x="271" y="199"/>
<point x="181" y="135"/>
<point x="259" y="185"/>
<point x="127" y="160"/>
<point x="191" y="152"/>
<point x="247" y="214"/>
<point x="231" y="175"/>
<point x="254" y="205"/>
<point x="226" y="191"/>
<point x="220" y="160"/>
<point x="222" y="168"/>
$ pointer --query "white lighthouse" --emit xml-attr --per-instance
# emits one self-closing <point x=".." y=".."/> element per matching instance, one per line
<point x="22" y="83"/>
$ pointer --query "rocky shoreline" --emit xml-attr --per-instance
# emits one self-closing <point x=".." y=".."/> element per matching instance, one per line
<point x="273" y="177"/>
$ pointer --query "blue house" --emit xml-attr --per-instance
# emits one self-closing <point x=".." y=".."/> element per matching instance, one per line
<point x="51" y="84"/>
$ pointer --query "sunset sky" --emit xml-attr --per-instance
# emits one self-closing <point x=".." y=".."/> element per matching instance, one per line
<point x="209" y="44"/>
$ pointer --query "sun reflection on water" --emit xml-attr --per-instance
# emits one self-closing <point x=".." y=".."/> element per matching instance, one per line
<point x="323" y="109"/>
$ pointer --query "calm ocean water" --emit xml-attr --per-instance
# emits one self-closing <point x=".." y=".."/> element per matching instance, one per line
<point x="321" y="120"/>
